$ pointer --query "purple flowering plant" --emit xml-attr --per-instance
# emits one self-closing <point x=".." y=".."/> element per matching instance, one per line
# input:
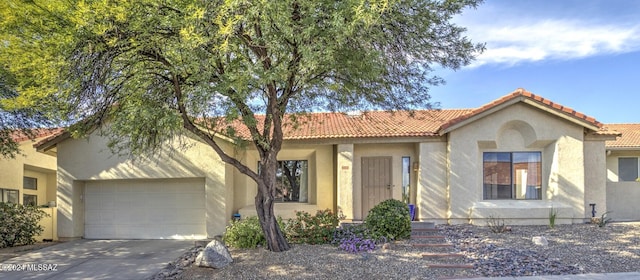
<point x="355" y="239"/>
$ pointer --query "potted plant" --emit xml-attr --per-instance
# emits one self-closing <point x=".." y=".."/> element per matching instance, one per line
<point x="406" y="199"/>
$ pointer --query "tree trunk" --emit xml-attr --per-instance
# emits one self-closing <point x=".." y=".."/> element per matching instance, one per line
<point x="290" y="173"/>
<point x="276" y="241"/>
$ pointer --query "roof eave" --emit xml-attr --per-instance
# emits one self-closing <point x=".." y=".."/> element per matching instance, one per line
<point x="47" y="144"/>
<point x="480" y="115"/>
<point x="575" y="120"/>
<point x="632" y="148"/>
<point x="526" y="100"/>
<point x="594" y="136"/>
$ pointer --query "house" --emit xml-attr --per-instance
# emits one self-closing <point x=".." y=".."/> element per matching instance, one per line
<point x="623" y="173"/>
<point x="514" y="158"/>
<point x="30" y="178"/>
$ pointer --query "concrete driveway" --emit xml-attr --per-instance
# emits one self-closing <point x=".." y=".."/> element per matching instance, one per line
<point x="95" y="259"/>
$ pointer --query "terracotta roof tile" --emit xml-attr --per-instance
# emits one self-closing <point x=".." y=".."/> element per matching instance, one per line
<point x="365" y="124"/>
<point x="630" y="137"/>
<point x="423" y="123"/>
<point x="63" y="133"/>
<point x="606" y="131"/>
<point x="522" y="93"/>
<point x="19" y="136"/>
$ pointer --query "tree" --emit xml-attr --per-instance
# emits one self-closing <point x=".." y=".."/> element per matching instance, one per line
<point x="225" y="67"/>
<point x="290" y="169"/>
<point x="288" y="179"/>
<point x="15" y="122"/>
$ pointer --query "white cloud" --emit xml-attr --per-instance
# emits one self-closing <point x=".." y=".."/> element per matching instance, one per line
<point x="517" y="43"/>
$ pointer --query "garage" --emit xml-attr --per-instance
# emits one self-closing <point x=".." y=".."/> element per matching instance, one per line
<point x="145" y="209"/>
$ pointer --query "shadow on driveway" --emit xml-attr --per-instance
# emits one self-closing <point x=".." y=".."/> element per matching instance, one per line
<point x="95" y="259"/>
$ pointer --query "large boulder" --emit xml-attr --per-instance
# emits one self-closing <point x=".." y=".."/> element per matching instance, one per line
<point x="214" y="255"/>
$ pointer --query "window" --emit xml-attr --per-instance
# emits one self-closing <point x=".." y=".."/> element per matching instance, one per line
<point x="291" y="181"/>
<point x="10" y="196"/>
<point x="406" y="183"/>
<point x="514" y="175"/>
<point x="29" y="183"/>
<point x="628" y="168"/>
<point x="30" y="199"/>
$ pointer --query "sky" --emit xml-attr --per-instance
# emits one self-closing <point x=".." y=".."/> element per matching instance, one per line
<point x="583" y="54"/>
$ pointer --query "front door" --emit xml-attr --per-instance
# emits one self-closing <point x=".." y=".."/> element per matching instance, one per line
<point x="376" y="182"/>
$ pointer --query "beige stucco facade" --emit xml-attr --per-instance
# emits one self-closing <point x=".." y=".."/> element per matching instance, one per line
<point x="334" y="173"/>
<point x="226" y="190"/>
<point x="621" y="196"/>
<point x="566" y="158"/>
<point x="81" y="161"/>
<point x="432" y="197"/>
<point x="36" y="165"/>
<point x="321" y="191"/>
<point x="446" y="179"/>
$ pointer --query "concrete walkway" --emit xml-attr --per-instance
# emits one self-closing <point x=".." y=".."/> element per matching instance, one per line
<point x="95" y="259"/>
<point x="603" y="276"/>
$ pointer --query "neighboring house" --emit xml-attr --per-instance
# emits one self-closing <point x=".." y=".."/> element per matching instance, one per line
<point x="514" y="158"/>
<point x="623" y="173"/>
<point x="30" y="178"/>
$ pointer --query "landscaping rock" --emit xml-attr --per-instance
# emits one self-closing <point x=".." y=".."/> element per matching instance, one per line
<point x="540" y="241"/>
<point x="173" y="269"/>
<point x="576" y="249"/>
<point x="214" y="255"/>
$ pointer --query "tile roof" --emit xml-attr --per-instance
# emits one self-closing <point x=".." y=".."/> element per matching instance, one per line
<point x="19" y="136"/>
<point x="377" y="124"/>
<point x="524" y="94"/>
<point x="630" y="135"/>
<point x="370" y="124"/>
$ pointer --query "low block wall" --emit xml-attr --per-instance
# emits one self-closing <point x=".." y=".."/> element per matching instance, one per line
<point x="622" y="201"/>
<point x="50" y="225"/>
<point x="284" y="210"/>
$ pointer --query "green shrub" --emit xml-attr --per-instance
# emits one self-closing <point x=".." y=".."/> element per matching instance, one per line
<point x="19" y="224"/>
<point x="389" y="219"/>
<point x="246" y="233"/>
<point x="308" y="229"/>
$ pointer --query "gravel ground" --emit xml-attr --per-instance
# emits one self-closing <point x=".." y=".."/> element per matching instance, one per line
<point x="572" y="249"/>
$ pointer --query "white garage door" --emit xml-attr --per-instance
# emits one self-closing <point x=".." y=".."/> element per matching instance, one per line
<point x="145" y="209"/>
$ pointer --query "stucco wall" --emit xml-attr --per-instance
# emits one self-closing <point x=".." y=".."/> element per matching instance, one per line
<point x="43" y="185"/>
<point x="320" y="170"/>
<point x="622" y="201"/>
<point x="82" y="160"/>
<point x="622" y="197"/>
<point x="344" y="181"/>
<point x="50" y="225"/>
<point x="36" y="165"/>
<point x="432" y="191"/>
<point x="244" y="188"/>
<point x="612" y="163"/>
<point x="33" y="164"/>
<point x="595" y="176"/>
<point x="518" y="128"/>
